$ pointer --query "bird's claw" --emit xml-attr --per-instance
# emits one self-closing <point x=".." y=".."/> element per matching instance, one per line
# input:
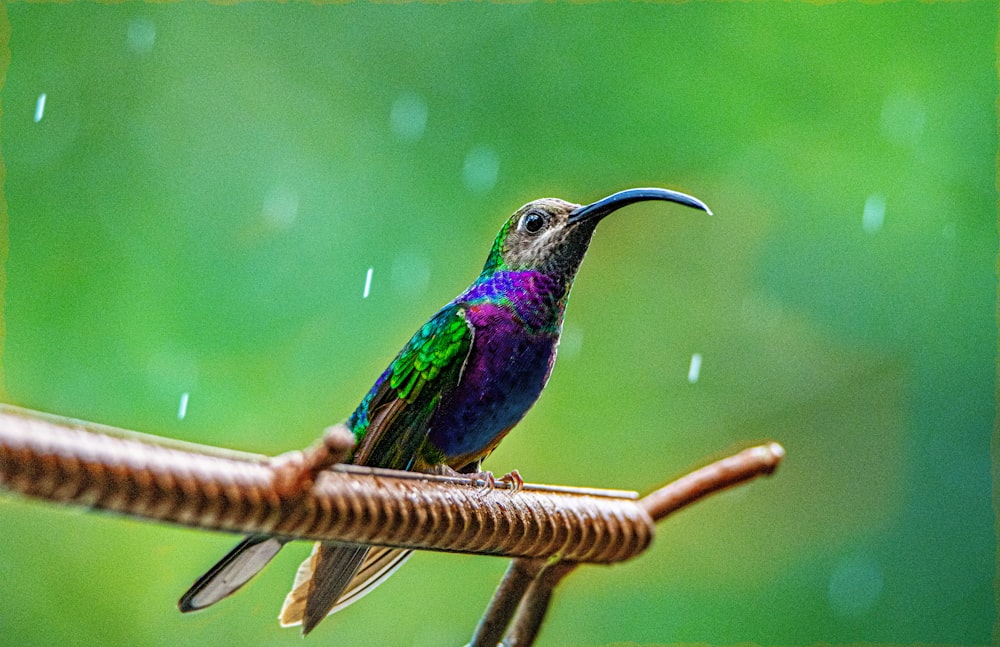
<point x="512" y="478"/>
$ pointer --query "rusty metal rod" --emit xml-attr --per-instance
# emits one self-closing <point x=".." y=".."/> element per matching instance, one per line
<point x="524" y="608"/>
<point x="100" y="467"/>
<point x="725" y="473"/>
<point x="520" y="577"/>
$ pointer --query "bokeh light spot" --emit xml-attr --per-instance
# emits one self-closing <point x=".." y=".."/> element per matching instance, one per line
<point x="408" y="116"/>
<point x="410" y="274"/>
<point x="874" y="214"/>
<point x="855" y="585"/>
<point x="481" y="169"/>
<point x="140" y="35"/>
<point x="903" y="119"/>
<point x="281" y="206"/>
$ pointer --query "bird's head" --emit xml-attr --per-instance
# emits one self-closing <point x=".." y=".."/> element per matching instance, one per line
<point x="551" y="235"/>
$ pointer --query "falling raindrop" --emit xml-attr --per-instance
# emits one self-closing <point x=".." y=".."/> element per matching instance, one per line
<point x="368" y="283"/>
<point x="40" y="107"/>
<point x="695" y="368"/>
<point x="182" y="409"/>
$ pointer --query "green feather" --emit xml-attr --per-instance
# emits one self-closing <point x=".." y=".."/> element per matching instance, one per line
<point x="495" y="261"/>
<point x="429" y="365"/>
<point x="436" y="346"/>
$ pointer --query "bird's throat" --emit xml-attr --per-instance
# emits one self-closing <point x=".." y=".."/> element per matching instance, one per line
<point x="538" y="300"/>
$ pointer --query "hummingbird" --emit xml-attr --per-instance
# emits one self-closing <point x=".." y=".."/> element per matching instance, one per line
<point x="461" y="382"/>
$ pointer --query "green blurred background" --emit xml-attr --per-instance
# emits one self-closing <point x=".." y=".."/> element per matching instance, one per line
<point x="196" y="206"/>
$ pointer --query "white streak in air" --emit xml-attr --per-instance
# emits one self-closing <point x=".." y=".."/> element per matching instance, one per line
<point x="368" y="283"/>
<point x="183" y="408"/>
<point x="695" y="368"/>
<point x="40" y="107"/>
<point x="874" y="214"/>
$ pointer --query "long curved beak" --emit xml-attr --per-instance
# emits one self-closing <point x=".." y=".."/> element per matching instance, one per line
<point x="624" y="198"/>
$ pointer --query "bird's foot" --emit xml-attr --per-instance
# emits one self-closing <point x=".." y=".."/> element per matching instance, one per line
<point x="512" y="478"/>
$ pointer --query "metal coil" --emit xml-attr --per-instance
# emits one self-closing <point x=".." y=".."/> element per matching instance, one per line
<point x="99" y="467"/>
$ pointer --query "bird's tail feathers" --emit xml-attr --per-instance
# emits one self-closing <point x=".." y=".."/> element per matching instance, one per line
<point x="318" y="580"/>
<point x="231" y="572"/>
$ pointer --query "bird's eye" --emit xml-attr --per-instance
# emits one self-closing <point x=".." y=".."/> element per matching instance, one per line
<point x="532" y="222"/>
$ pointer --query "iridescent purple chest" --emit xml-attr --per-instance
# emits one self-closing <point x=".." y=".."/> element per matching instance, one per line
<point x="514" y="347"/>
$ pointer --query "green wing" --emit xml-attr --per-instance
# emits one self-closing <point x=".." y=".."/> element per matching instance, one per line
<point x="391" y="423"/>
<point x="400" y="407"/>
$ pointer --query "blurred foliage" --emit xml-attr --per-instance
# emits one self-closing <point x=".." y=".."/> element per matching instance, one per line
<point x="196" y="205"/>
